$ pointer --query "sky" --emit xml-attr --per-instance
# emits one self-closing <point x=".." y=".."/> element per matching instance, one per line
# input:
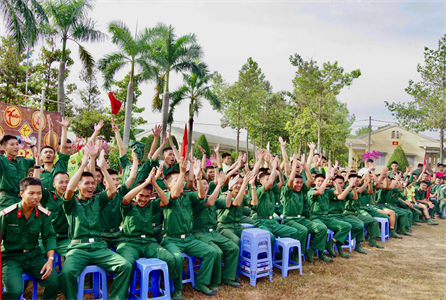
<point x="384" y="39"/>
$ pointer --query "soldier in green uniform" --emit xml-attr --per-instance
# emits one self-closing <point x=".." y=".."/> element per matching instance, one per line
<point x="292" y="197"/>
<point x="138" y="239"/>
<point x="21" y="224"/>
<point x="442" y="200"/>
<point x="318" y="198"/>
<point x="86" y="246"/>
<point x="204" y="224"/>
<point x="178" y="230"/>
<point x="420" y="197"/>
<point x="230" y="206"/>
<point x="13" y="168"/>
<point x="352" y="211"/>
<point x="435" y="194"/>
<point x="265" y="208"/>
<point x="337" y="207"/>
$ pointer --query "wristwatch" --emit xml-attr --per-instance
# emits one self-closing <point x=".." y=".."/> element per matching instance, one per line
<point x="51" y="257"/>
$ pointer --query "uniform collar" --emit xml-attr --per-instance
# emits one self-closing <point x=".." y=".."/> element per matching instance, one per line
<point x="20" y="212"/>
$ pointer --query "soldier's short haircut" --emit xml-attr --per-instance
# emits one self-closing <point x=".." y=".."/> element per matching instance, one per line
<point x="27" y="181"/>
<point x="7" y="138"/>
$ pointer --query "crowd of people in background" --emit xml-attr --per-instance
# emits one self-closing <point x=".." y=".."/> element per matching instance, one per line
<point x="76" y="206"/>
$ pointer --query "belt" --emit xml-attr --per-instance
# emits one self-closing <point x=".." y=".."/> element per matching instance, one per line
<point x="142" y="236"/>
<point x="90" y="240"/>
<point x="178" y="236"/>
<point x="21" y="251"/>
<point x="113" y="230"/>
<point x="203" y="230"/>
<point x="298" y="216"/>
<point x="263" y="218"/>
<point x="11" y="194"/>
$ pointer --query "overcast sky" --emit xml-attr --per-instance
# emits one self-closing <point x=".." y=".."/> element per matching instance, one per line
<point x="384" y="39"/>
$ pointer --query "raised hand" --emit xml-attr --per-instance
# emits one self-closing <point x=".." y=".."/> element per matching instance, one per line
<point x="233" y="181"/>
<point x="336" y="165"/>
<point x="213" y="160"/>
<point x="115" y="127"/>
<point x="149" y="178"/>
<point x="134" y="156"/>
<point x="248" y="177"/>
<point x="197" y="168"/>
<point x="28" y="141"/>
<point x="221" y="179"/>
<point x="98" y="126"/>
<point x="183" y="165"/>
<point x="50" y="121"/>
<point x="217" y="148"/>
<point x="312" y="146"/>
<point x="102" y="163"/>
<point x="165" y="139"/>
<point x="282" y="142"/>
<point x="95" y="148"/>
<point x="65" y="122"/>
<point x="201" y="149"/>
<point x="159" y="172"/>
<point x="157" y="130"/>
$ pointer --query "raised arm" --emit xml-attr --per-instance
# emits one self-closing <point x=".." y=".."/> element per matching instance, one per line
<point x="217" y="154"/>
<point x="52" y="140"/>
<point x="128" y="183"/>
<point x="197" y="173"/>
<point x="158" y="151"/>
<point x="71" y="187"/>
<point x="254" y="199"/>
<point x="177" y="189"/>
<point x="156" y="134"/>
<point x="293" y="172"/>
<point x="311" y="155"/>
<point x="273" y="176"/>
<point x="118" y="138"/>
<point x="94" y="151"/>
<point x="132" y="193"/>
<point x="102" y="164"/>
<point x="322" y="188"/>
<point x="344" y="193"/>
<point x="306" y="167"/>
<point x="163" y="197"/>
<point x="286" y="163"/>
<point x="97" y="129"/>
<point x="63" y="141"/>
<point x="174" y="148"/>
<point x="213" y="197"/>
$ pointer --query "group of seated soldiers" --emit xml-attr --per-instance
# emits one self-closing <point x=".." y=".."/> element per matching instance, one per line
<point x="160" y="211"/>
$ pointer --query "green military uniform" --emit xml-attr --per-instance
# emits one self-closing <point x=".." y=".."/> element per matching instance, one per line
<point x="204" y="224"/>
<point x="52" y="202"/>
<point x="319" y="207"/>
<point x="12" y="170"/>
<point x="138" y="239"/>
<point x="20" y="251"/>
<point x="178" y="237"/>
<point x="352" y="211"/>
<point x="293" y="204"/>
<point x="385" y="200"/>
<point x="435" y="200"/>
<point x="47" y="176"/>
<point x="100" y="187"/>
<point x="421" y="195"/>
<point x="87" y="248"/>
<point x="141" y="174"/>
<point x="110" y="218"/>
<point x="442" y="200"/>
<point x="368" y="204"/>
<point x="336" y="210"/>
<point x="230" y="219"/>
<point x="157" y="224"/>
<point x="265" y="219"/>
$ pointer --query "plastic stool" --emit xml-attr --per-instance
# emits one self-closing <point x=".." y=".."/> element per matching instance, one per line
<point x="286" y="264"/>
<point x="255" y="258"/>
<point x="444" y="212"/>
<point x="189" y="276"/>
<point x="247" y="225"/>
<point x="150" y="269"/>
<point x="385" y="231"/>
<point x="99" y="283"/>
<point x="57" y="262"/>
<point x="348" y="244"/>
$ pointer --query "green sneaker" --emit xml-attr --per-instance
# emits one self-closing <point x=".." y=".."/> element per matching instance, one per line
<point x="373" y="243"/>
<point x="199" y="287"/>
<point x="404" y="232"/>
<point x="422" y="221"/>
<point x="177" y="295"/>
<point x="394" y="235"/>
<point x="310" y="255"/>
<point x="325" y="258"/>
<point x="359" y="248"/>
<point x="415" y="224"/>
<point x="341" y="251"/>
<point x="329" y="246"/>
<point x="430" y="222"/>
<point x="214" y="287"/>
<point x="231" y="283"/>
<point x="237" y="279"/>
<point x="441" y="217"/>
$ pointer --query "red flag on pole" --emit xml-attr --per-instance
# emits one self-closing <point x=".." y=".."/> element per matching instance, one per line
<point x="115" y="104"/>
<point x="184" y="145"/>
<point x="425" y="160"/>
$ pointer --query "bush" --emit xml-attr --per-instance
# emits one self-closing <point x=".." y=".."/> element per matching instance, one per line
<point x="400" y="157"/>
<point x="203" y="142"/>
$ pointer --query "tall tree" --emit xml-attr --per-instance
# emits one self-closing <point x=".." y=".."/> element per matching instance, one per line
<point x="172" y="53"/>
<point x="317" y="87"/>
<point x="362" y="130"/>
<point x="69" y="21"/>
<point x="22" y="19"/>
<point x="194" y="88"/>
<point x="427" y="111"/>
<point x="134" y="52"/>
<point x="90" y="95"/>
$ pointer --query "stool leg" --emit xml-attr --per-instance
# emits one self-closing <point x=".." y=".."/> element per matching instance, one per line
<point x="166" y="283"/>
<point x="191" y="272"/>
<point x="155" y="276"/>
<point x="285" y="261"/>
<point x="144" y="285"/>
<point x="34" y="289"/>
<point x="104" y="286"/>
<point x="96" y="286"/>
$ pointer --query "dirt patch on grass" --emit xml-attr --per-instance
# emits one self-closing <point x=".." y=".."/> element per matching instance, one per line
<point x="411" y="268"/>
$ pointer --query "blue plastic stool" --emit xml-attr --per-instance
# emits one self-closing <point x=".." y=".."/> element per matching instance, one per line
<point x="385" y="231"/>
<point x="26" y="277"/>
<point x="255" y="258"/>
<point x="99" y="283"/>
<point x="286" y="264"/>
<point x="57" y="262"/>
<point x="247" y="225"/>
<point x="348" y="244"/>
<point x="189" y="276"/>
<point x="444" y="212"/>
<point x="149" y="271"/>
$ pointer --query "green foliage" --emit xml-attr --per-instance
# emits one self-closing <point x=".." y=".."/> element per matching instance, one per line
<point x="428" y="109"/>
<point x="362" y="131"/>
<point x="203" y="142"/>
<point x="132" y="135"/>
<point x="113" y="160"/>
<point x="83" y="124"/>
<point x="143" y="140"/>
<point x="400" y="157"/>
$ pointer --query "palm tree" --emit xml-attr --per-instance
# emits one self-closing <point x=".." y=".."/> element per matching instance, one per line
<point x="21" y="18"/>
<point x="171" y="54"/>
<point x="69" y="20"/>
<point x="133" y="51"/>
<point x="194" y="88"/>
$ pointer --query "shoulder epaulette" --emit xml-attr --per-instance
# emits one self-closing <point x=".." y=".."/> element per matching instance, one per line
<point x="43" y="210"/>
<point x="8" y="209"/>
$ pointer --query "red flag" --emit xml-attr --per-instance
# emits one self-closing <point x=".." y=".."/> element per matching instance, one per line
<point x="184" y="145"/>
<point x="425" y="160"/>
<point x="115" y="103"/>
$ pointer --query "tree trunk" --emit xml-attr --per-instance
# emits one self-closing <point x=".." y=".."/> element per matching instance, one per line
<point x="441" y="145"/>
<point x="189" y="135"/>
<point x="128" y="112"/>
<point x="261" y="140"/>
<point x="319" y="127"/>
<point x="300" y="145"/>
<point x="60" y="88"/>
<point x="238" y="139"/>
<point x="165" y="108"/>
<point x="247" y="145"/>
